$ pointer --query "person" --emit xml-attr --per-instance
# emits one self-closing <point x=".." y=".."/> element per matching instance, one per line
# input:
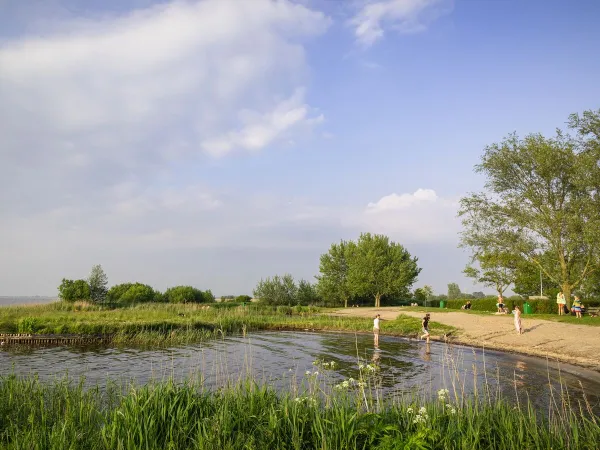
<point x="561" y="302"/>
<point x="577" y="306"/>
<point x="500" y="304"/>
<point x="376" y="328"/>
<point x="518" y="325"/>
<point x="467" y="305"/>
<point x="425" y="324"/>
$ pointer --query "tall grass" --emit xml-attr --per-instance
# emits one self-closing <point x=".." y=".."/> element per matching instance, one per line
<point x="158" y="324"/>
<point x="312" y="414"/>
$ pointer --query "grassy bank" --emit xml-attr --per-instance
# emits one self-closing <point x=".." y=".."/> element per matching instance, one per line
<point x="170" y="324"/>
<point x="351" y="415"/>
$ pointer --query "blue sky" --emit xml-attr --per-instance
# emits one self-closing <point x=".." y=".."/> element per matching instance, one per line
<point x="213" y="143"/>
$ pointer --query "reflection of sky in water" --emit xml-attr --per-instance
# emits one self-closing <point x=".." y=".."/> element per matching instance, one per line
<point x="279" y="357"/>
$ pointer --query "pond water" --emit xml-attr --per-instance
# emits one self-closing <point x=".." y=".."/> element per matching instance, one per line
<point x="281" y="358"/>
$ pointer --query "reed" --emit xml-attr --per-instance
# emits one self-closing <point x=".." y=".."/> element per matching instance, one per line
<point x="314" y="413"/>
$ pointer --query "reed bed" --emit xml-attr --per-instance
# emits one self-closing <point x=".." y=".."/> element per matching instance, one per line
<point x="169" y="324"/>
<point x="315" y="411"/>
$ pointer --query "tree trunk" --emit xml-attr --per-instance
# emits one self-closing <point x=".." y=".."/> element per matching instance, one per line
<point x="566" y="288"/>
<point x="377" y="300"/>
<point x="345" y="302"/>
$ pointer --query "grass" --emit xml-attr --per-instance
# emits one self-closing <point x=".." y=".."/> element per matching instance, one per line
<point x="312" y="414"/>
<point x="165" y="324"/>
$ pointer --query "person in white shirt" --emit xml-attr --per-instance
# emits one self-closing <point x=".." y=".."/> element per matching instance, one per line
<point x="376" y="328"/>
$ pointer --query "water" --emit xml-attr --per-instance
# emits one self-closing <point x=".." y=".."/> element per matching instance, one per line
<point x="279" y="358"/>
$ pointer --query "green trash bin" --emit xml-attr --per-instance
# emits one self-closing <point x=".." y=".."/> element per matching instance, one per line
<point x="442" y="304"/>
<point x="527" y="308"/>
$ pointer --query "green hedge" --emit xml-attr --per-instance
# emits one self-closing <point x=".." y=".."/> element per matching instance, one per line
<point x="537" y="306"/>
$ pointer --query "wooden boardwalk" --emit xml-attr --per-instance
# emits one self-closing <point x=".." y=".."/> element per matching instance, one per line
<point x="52" y="339"/>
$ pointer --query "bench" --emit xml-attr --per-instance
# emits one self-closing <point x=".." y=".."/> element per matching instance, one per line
<point x="593" y="311"/>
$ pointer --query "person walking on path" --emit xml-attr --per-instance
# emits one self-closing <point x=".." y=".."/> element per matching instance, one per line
<point x="518" y="325"/>
<point x="577" y="306"/>
<point x="425" y="324"/>
<point x="561" y="302"/>
<point x="376" y="329"/>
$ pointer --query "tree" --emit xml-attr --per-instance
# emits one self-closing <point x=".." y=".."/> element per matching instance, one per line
<point x="378" y="267"/>
<point x="241" y="298"/>
<point x="453" y="291"/>
<point x="542" y="196"/>
<point x="71" y="291"/>
<point x="428" y="291"/>
<point x="496" y="269"/>
<point x="527" y="281"/>
<point x="332" y="284"/>
<point x="184" y="294"/>
<point x="277" y="290"/>
<point x="306" y="293"/>
<point x="131" y="293"/>
<point x="478" y="294"/>
<point x="420" y="295"/>
<point x="98" y="282"/>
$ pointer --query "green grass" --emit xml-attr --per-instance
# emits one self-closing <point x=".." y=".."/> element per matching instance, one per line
<point x="247" y="415"/>
<point x="165" y="324"/>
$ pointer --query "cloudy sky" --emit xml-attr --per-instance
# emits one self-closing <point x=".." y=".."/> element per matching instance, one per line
<point x="216" y="142"/>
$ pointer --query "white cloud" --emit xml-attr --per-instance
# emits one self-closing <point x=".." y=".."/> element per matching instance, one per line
<point x="395" y="201"/>
<point x="403" y="16"/>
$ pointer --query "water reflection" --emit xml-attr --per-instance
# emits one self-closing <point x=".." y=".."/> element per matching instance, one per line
<point x="280" y="358"/>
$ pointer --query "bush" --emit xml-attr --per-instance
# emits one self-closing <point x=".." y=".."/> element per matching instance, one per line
<point x="187" y="294"/>
<point x="242" y="299"/>
<point x="73" y="290"/>
<point x="28" y="325"/>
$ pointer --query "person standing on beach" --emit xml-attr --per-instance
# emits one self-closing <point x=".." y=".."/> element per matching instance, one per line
<point x="561" y="302"/>
<point x="425" y="324"/>
<point x="376" y="329"/>
<point x="518" y="325"/>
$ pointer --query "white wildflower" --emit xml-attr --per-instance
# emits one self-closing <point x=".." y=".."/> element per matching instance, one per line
<point x="307" y="373"/>
<point x="410" y="410"/>
<point x="422" y="410"/>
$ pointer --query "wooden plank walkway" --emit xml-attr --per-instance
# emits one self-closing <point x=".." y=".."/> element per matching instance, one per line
<point x="52" y="339"/>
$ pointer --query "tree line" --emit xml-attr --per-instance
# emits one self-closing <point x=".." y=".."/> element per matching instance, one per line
<point x="95" y="289"/>
<point x="371" y="269"/>
<point x="538" y="219"/>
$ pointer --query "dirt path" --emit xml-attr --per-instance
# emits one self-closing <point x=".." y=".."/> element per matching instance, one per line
<point x="575" y="344"/>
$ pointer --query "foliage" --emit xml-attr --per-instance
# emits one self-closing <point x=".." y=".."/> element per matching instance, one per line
<point x="98" y="282"/>
<point x="427" y="291"/>
<point x="453" y="291"/>
<point x="332" y="283"/>
<point x="478" y="294"/>
<point x="250" y="415"/>
<point x="306" y="294"/>
<point x="277" y="290"/>
<point x="73" y="290"/>
<point x="527" y="280"/>
<point x="242" y="299"/>
<point x="543" y="198"/>
<point x="497" y="269"/>
<point x="187" y="294"/>
<point x="378" y="267"/>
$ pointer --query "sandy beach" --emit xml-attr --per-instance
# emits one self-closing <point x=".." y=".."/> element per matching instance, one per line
<point x="570" y="343"/>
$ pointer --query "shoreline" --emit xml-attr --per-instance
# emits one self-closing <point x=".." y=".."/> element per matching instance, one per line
<point x="554" y="341"/>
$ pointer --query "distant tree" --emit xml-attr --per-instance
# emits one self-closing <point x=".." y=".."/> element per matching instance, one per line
<point x="453" y="291"/>
<point x="428" y="291"/>
<point x="378" y="267"/>
<point x="242" y="298"/>
<point x="278" y="290"/>
<point x="497" y="269"/>
<point x="98" y="282"/>
<point x="131" y="293"/>
<point x="209" y="297"/>
<point x="184" y="294"/>
<point x="420" y="295"/>
<point x="478" y="294"/>
<point x="306" y="293"/>
<point x="115" y="293"/>
<point x="332" y="283"/>
<point x="71" y="291"/>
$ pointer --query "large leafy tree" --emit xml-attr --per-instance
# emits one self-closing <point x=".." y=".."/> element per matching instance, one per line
<point x="98" y="282"/>
<point x="378" y="267"/>
<point x="332" y="283"/>
<point x="542" y="196"/>
<point x="453" y="291"/>
<point x="496" y="269"/>
<point x="72" y="290"/>
<point x="278" y="290"/>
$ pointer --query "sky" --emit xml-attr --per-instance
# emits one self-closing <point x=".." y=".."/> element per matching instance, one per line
<point x="217" y="142"/>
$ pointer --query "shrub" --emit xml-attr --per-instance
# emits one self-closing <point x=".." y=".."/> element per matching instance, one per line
<point x="73" y="290"/>
<point x="28" y="325"/>
<point x="242" y="299"/>
<point x="185" y="294"/>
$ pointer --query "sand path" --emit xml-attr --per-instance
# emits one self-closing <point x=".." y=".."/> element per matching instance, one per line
<point x="574" y="344"/>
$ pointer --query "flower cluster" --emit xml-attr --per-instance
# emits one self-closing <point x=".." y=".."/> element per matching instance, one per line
<point x="308" y="373"/>
<point x="350" y="382"/>
<point x="443" y="394"/>
<point x="451" y="409"/>
<point x="422" y="417"/>
<point x="325" y="365"/>
<point x="369" y="368"/>
<point x="308" y="400"/>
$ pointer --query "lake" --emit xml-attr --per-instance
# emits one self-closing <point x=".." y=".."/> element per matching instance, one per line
<point x="279" y="358"/>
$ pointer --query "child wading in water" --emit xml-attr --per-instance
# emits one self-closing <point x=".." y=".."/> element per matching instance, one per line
<point x="518" y="326"/>
<point x="425" y="324"/>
